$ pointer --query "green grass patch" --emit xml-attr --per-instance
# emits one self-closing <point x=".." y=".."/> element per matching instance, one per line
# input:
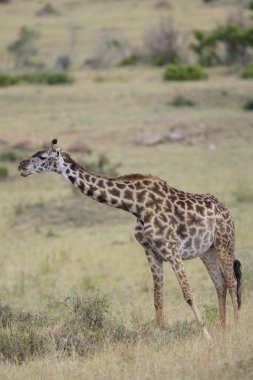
<point x="9" y="155"/>
<point x="181" y="101"/>
<point x="3" y="172"/>
<point x="244" y="194"/>
<point x="184" y="73"/>
<point x="247" y="72"/>
<point x="211" y="313"/>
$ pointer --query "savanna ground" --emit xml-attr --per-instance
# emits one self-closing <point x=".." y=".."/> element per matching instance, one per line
<point x="61" y="253"/>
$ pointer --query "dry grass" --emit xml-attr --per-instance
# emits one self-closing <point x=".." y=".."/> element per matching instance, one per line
<point x="47" y="253"/>
<point x="182" y="358"/>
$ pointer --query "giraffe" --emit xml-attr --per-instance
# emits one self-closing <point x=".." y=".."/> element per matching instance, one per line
<point x="172" y="226"/>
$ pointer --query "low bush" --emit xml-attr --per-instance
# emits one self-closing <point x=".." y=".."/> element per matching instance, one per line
<point x="81" y="325"/>
<point x="8" y="80"/>
<point x="131" y="60"/>
<point x="247" y="72"/>
<point x="184" y="72"/>
<point x="181" y="101"/>
<point x="19" y="338"/>
<point x="46" y="77"/>
<point x="3" y="172"/>
<point x="48" y="10"/>
<point x="248" y="105"/>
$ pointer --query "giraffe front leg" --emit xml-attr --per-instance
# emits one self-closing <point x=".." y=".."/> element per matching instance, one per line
<point x="177" y="266"/>
<point x="156" y="266"/>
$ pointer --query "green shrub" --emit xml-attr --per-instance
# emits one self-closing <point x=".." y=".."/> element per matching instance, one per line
<point x="184" y="72"/>
<point x="3" y="172"/>
<point x="161" y="59"/>
<point x="19" y="338"/>
<point x="250" y="6"/>
<point x="181" y="101"/>
<point x="131" y="60"/>
<point x="247" y="72"/>
<point x="8" y="80"/>
<point x="50" y="78"/>
<point x="46" y="77"/>
<point x="248" y="106"/>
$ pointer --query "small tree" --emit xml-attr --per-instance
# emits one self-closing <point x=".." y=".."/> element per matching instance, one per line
<point x="162" y="44"/>
<point x="226" y="44"/>
<point x="23" y="49"/>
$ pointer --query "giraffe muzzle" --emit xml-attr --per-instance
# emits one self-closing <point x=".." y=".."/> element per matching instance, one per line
<point x="23" y="168"/>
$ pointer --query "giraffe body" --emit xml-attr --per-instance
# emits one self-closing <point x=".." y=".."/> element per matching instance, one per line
<point x="172" y="225"/>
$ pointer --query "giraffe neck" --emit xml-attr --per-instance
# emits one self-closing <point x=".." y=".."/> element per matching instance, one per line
<point x="110" y="191"/>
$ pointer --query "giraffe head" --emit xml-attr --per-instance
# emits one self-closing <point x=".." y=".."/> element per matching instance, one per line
<point x="43" y="161"/>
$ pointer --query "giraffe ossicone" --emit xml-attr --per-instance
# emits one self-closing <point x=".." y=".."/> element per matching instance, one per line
<point x="172" y="225"/>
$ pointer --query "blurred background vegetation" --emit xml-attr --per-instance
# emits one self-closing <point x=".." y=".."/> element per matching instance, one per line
<point x="156" y="87"/>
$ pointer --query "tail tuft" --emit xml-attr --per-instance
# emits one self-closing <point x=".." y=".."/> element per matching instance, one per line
<point x="238" y="275"/>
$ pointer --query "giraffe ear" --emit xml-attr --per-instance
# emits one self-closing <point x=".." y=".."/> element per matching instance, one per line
<point x="53" y="143"/>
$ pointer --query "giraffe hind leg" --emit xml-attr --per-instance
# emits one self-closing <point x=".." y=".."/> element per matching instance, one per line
<point x="170" y="253"/>
<point x="226" y="257"/>
<point x="156" y="266"/>
<point x="211" y="261"/>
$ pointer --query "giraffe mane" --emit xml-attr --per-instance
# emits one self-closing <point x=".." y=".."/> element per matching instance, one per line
<point x="70" y="160"/>
<point x="134" y="177"/>
<point x="123" y="178"/>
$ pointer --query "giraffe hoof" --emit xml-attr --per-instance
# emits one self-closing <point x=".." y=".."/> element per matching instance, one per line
<point x="206" y="334"/>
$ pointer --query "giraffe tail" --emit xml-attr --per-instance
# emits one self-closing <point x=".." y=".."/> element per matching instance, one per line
<point x="238" y="275"/>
